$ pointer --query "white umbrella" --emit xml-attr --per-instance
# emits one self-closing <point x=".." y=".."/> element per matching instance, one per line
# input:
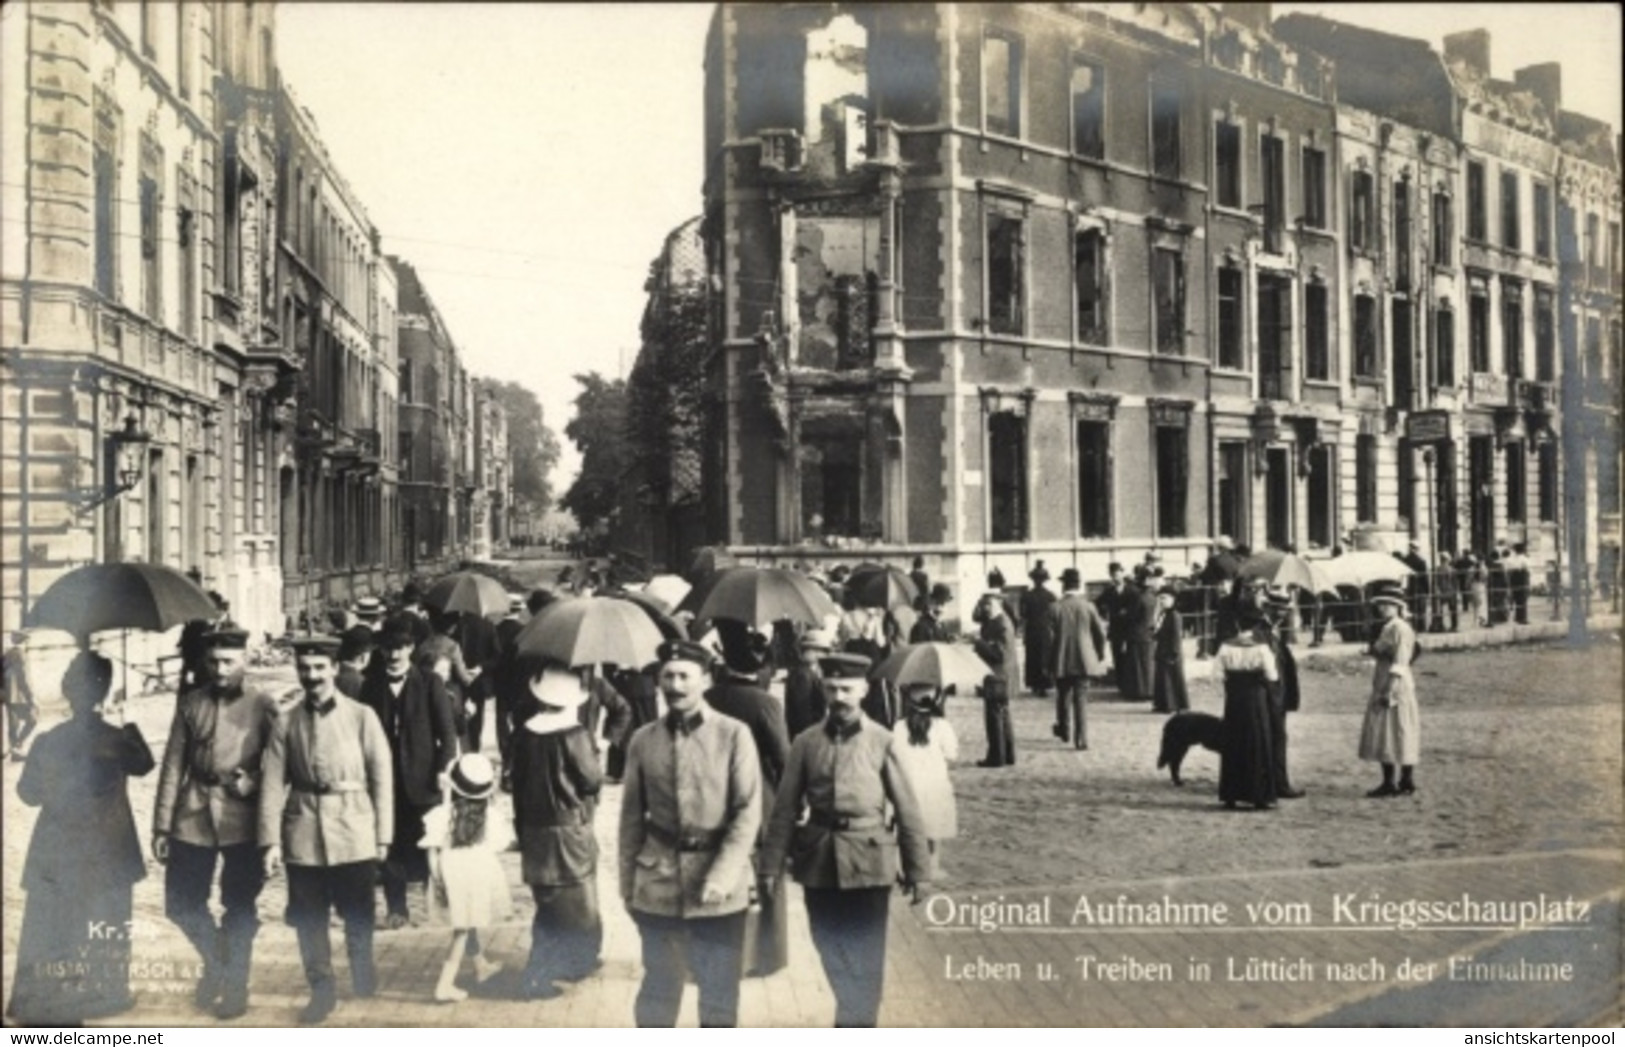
<point x="667" y="589"/>
<point x="1363" y="567"/>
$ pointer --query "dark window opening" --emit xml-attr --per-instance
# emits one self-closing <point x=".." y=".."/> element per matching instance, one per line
<point x="1477" y="208"/>
<point x="1272" y="173"/>
<point x="1094" y="480"/>
<point x="1090" y="257"/>
<point x="1316" y="333"/>
<point x="1543" y="220"/>
<point x="1274" y="325"/>
<point x="1478" y="330"/>
<point x="1314" y="188"/>
<point x="1165" y="101"/>
<point x="153" y="292"/>
<point x="1365" y="478"/>
<point x="1365" y="337"/>
<point x="1005" y="290"/>
<point x="832" y="485"/>
<point x="1230" y="335"/>
<point x="1509" y="210"/>
<point x="1545" y="337"/>
<point x="1172" y="451"/>
<point x="1362" y="211"/>
<point x="1404" y="362"/>
<point x="1593" y="360"/>
<point x="1170" y="300"/>
<point x="1444" y="347"/>
<point x="1443" y="252"/>
<point x="1517" y="486"/>
<point x="1481" y="488"/>
<point x="1007" y="476"/>
<point x="1402" y="234"/>
<point x="1322" y="485"/>
<point x="1405" y="462"/>
<point x="1227" y="159"/>
<point x="1548" y="481"/>
<point x="1089" y="109"/>
<point x="1234" y="493"/>
<point x="1278" y="497"/>
<point x="1512" y="328"/>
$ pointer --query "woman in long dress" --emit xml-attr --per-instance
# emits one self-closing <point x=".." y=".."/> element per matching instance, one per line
<point x="1247" y="761"/>
<point x="1168" y="694"/>
<point x="73" y="955"/>
<point x="1392" y="732"/>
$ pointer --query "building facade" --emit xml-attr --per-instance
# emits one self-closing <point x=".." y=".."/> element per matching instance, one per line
<point x="996" y="283"/>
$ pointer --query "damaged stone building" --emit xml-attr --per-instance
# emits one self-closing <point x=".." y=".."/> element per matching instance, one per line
<point x="1000" y="283"/>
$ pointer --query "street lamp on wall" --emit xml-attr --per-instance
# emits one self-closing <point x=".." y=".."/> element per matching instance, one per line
<point x="126" y="455"/>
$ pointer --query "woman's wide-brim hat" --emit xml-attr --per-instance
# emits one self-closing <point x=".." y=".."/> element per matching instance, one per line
<point x="558" y="688"/>
<point x="472" y="776"/>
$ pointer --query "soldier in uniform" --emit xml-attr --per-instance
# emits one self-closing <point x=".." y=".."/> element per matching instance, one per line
<point x="327" y="807"/>
<point x="845" y="857"/>
<point x="204" y="818"/>
<point x="690" y="812"/>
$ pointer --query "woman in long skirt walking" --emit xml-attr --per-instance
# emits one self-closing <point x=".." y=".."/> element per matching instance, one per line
<point x="1391" y="734"/>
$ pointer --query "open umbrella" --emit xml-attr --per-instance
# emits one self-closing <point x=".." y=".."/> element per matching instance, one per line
<point x="467" y="592"/>
<point x="667" y="590"/>
<point x="761" y="595"/>
<point x="103" y="596"/>
<point x="1277" y="568"/>
<point x="875" y="585"/>
<point x="939" y="664"/>
<point x="589" y="630"/>
<point x="1362" y="567"/>
<point x="655" y="609"/>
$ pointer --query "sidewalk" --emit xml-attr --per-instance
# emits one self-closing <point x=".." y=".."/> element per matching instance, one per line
<point x="1464" y="639"/>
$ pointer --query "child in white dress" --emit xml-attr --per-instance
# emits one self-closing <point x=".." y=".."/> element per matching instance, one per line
<point x="925" y="743"/>
<point x="463" y="837"/>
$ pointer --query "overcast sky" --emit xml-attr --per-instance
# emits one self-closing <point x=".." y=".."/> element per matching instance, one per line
<point x="530" y="159"/>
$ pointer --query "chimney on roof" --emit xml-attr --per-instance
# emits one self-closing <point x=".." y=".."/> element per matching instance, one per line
<point x="1254" y="16"/>
<point x="1545" y="82"/>
<point x="1471" y="48"/>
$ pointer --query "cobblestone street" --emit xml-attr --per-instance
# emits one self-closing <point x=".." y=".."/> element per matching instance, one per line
<point x="1520" y="801"/>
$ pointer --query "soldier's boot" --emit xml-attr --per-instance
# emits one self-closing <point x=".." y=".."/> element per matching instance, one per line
<point x="315" y="952"/>
<point x="363" y="974"/>
<point x="239" y="955"/>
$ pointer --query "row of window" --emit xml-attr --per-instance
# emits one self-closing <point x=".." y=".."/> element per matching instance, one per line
<point x="1091" y="269"/>
<point x="1009" y="516"/>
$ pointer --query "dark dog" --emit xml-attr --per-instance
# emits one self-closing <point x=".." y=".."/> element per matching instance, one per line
<point x="1184" y="730"/>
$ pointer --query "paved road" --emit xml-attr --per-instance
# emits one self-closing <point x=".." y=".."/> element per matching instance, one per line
<point x="1520" y="803"/>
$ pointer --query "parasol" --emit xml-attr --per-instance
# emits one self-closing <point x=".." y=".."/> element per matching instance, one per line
<point x="1361" y="568"/>
<point x="761" y="595"/>
<point x="1279" y="569"/>
<point x="589" y="630"/>
<point x="467" y="592"/>
<point x="877" y="586"/>
<point x="940" y="664"/>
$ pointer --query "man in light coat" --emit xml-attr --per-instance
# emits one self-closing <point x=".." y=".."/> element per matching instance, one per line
<point x="327" y="794"/>
<point x="690" y="812"/>
<point x="205" y="817"/>
<point x="1080" y="652"/>
<point x="845" y="856"/>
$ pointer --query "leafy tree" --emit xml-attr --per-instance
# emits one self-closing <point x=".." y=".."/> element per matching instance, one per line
<point x="599" y="430"/>
<point x="533" y="446"/>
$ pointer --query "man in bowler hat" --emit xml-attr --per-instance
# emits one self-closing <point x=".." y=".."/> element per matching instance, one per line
<point x="326" y="807"/>
<point x="1079" y="653"/>
<point x="204" y="818"/>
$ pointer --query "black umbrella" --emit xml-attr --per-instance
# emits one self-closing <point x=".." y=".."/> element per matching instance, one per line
<point x="655" y="610"/>
<point x="467" y="592"/>
<point x="104" y="596"/>
<point x="759" y="595"/>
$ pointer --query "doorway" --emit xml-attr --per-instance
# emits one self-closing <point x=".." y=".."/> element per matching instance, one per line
<point x="1481" y="482"/>
<point x="1444" y="486"/>
<point x="1278" y="497"/>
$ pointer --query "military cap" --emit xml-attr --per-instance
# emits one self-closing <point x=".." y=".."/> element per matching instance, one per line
<point x="314" y="643"/>
<point x="1388" y="592"/>
<point x="844" y="665"/>
<point x="226" y="635"/>
<point x="685" y="651"/>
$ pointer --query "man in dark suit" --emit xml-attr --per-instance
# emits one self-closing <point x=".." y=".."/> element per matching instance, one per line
<point x="420" y="726"/>
<point x="1035" y="606"/>
<point x="1079" y="638"/>
<point x="1218" y="577"/>
<point x="1283" y="693"/>
<point x="1114" y="604"/>
<point x="921" y="580"/>
<point x="804" y="700"/>
<point x="736" y="694"/>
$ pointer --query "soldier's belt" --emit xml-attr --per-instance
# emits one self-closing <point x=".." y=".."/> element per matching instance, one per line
<point x="323" y="788"/>
<point x="693" y="840"/>
<point x="212" y="778"/>
<point x="830" y="820"/>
